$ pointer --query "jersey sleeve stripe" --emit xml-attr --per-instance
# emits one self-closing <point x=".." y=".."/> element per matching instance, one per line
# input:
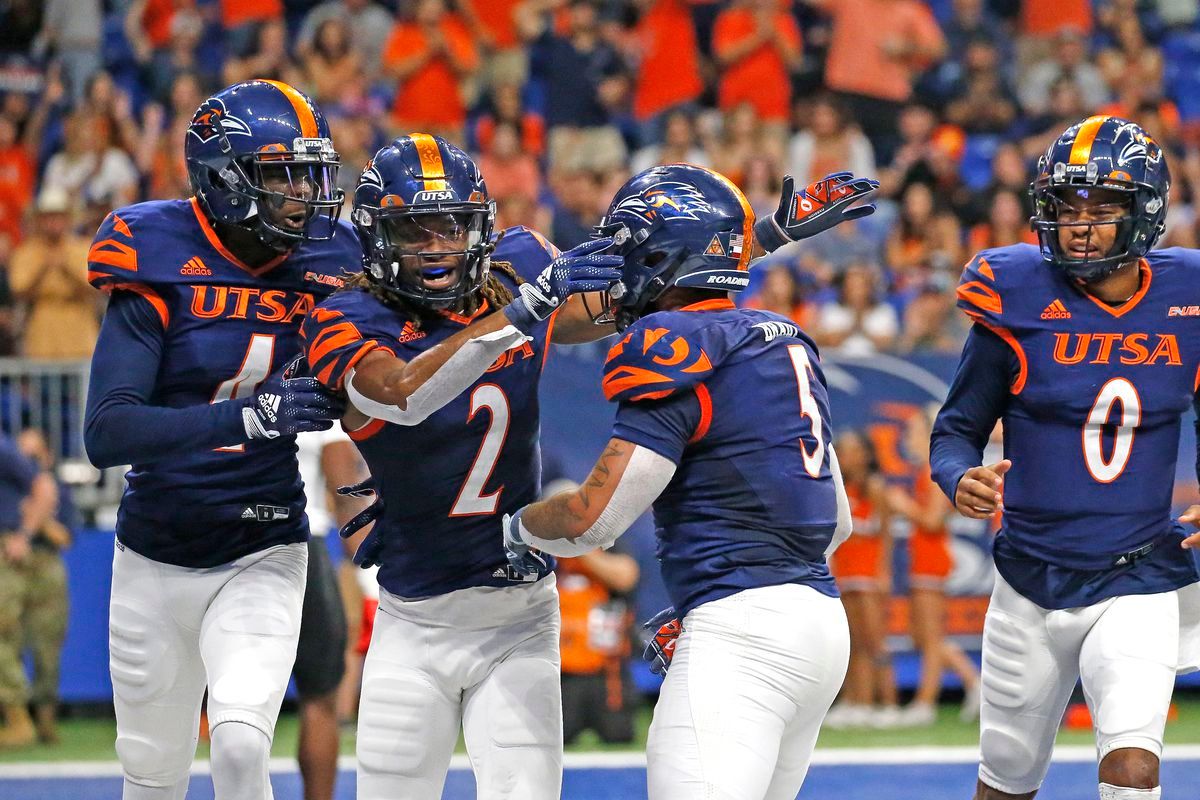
<point x="979" y="294"/>
<point x="546" y="245"/>
<point x="120" y="227"/>
<point x="1018" y="383"/>
<point x="114" y="254"/>
<point x="366" y="431"/>
<point x="329" y="339"/>
<point x="623" y="379"/>
<point x="549" y="337"/>
<point x="152" y="297"/>
<point x="705" y="400"/>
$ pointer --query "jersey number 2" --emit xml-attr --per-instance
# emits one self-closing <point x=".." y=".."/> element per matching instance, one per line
<point x="471" y="500"/>
<point x="256" y="366"/>
<point x="808" y="408"/>
<point x="1117" y="390"/>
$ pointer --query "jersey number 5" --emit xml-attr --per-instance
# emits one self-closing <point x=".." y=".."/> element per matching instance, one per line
<point x="1117" y="390"/>
<point x="808" y="408"/>
<point x="471" y="500"/>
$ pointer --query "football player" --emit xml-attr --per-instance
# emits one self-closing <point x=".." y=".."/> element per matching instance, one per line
<point x="1087" y="348"/>
<point x="439" y="346"/>
<point x="723" y="425"/>
<point x="189" y="385"/>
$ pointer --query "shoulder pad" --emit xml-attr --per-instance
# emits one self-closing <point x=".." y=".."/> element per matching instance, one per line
<point x="526" y="250"/>
<point x="113" y="258"/>
<point x="994" y="282"/>
<point x="652" y="361"/>
<point x="129" y="246"/>
<point x="342" y="329"/>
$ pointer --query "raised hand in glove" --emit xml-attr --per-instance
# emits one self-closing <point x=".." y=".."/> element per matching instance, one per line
<point x="583" y="269"/>
<point x="664" y="628"/>
<point x="815" y="208"/>
<point x="287" y="403"/>
<point x="521" y="557"/>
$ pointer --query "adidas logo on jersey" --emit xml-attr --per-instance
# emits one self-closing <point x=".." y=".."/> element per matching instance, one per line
<point x="195" y="266"/>
<point x="1056" y="310"/>
<point x="249" y="514"/>
<point x="409" y="333"/>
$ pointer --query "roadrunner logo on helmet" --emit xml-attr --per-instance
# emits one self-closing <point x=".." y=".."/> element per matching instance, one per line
<point x="425" y="220"/>
<point x="676" y="225"/>
<point x="1110" y="154"/>
<point x="259" y="156"/>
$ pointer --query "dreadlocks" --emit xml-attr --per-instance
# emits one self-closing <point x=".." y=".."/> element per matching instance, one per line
<point x="493" y="291"/>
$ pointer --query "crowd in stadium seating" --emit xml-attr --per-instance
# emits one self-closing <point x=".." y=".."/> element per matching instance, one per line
<point x="948" y="102"/>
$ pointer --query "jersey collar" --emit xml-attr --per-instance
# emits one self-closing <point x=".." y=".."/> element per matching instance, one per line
<point x="716" y="304"/>
<point x="215" y="241"/>
<point x="1145" y="274"/>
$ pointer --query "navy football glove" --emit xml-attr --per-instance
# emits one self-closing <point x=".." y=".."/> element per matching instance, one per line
<point x="285" y="405"/>
<point x="521" y="557"/>
<point x="583" y="269"/>
<point x="368" y="552"/>
<point x="818" y="207"/>
<point x="664" y="628"/>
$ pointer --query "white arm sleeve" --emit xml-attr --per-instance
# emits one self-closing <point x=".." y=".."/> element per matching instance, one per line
<point x="645" y="477"/>
<point x="460" y="371"/>
<point x="845" y="525"/>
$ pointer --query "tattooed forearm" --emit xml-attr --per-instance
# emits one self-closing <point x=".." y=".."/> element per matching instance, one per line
<point x="569" y="514"/>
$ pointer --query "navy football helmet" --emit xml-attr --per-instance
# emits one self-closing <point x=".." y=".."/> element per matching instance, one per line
<point x="422" y="198"/>
<point x="676" y="225"/>
<point x="259" y="155"/>
<point x="1111" y="154"/>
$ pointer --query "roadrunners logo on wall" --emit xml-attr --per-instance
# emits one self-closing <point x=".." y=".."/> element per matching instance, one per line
<point x="667" y="200"/>
<point x="212" y="120"/>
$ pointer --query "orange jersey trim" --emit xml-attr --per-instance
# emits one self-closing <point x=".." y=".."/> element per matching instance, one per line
<point x="980" y="295"/>
<point x="716" y="304"/>
<point x="465" y="320"/>
<point x="366" y="431"/>
<point x="215" y="241"/>
<point x="549" y="337"/>
<point x="705" y="400"/>
<point x="153" y="297"/>
<point x="1128" y="305"/>
<point x="304" y="113"/>
<point x="1023" y="364"/>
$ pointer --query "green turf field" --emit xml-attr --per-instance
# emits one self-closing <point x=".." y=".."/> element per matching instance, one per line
<point x="92" y="739"/>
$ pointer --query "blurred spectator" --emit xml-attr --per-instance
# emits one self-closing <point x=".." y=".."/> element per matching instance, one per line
<point x="827" y="142"/>
<point x="931" y="319"/>
<point x="668" y="63"/>
<point x="165" y="36"/>
<point x="356" y="144"/>
<point x="508" y="169"/>
<point x="506" y="106"/>
<point x="111" y="106"/>
<point x="70" y="35"/>
<point x="330" y="63"/>
<point x="1011" y="173"/>
<point x="20" y="21"/>
<point x="829" y="254"/>
<point x="679" y="145"/>
<point x="972" y="20"/>
<point x="782" y="293"/>
<point x="1042" y="20"/>
<point x="521" y="209"/>
<point x="46" y="275"/>
<point x="44" y="617"/>
<point x="265" y="57"/>
<point x="17" y="175"/>
<point x="27" y="502"/>
<point x="578" y="203"/>
<point x="1177" y="13"/>
<point x="757" y="45"/>
<point x="89" y="166"/>
<point x="242" y="21"/>
<point x="9" y="318"/>
<point x="926" y="239"/>
<point x="1068" y="61"/>
<point x="162" y="158"/>
<point x="1007" y="224"/>
<point x="369" y="25"/>
<point x="1129" y="58"/>
<point x="859" y="322"/>
<point x="745" y="137"/>
<point x="878" y="49"/>
<point x="429" y="56"/>
<point x="761" y="184"/>
<point x="915" y="126"/>
<point x="982" y="101"/>
<point x="1066" y="109"/>
<point x="493" y="24"/>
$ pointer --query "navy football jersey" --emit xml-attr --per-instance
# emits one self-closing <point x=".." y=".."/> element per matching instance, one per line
<point x="1091" y="423"/>
<point x="225" y="327"/>
<point x="446" y="482"/>
<point x="737" y="399"/>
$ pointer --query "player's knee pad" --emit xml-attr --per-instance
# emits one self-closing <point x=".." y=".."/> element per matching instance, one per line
<point x="240" y="752"/>
<point x="530" y="715"/>
<point x="140" y="659"/>
<point x="155" y="761"/>
<point x="1110" y="792"/>
<point x="393" y="717"/>
<point x="1010" y="757"/>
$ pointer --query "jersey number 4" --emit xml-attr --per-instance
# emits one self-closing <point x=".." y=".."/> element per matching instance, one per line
<point x="1117" y="390"/>
<point x="256" y="366"/>
<point x="813" y="459"/>
<point x="471" y="500"/>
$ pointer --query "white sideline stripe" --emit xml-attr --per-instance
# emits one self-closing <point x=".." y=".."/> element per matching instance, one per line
<point x="864" y="756"/>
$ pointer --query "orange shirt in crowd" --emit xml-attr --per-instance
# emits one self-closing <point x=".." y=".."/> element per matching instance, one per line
<point x="669" y="72"/>
<point x="431" y="95"/>
<point x="156" y="22"/>
<point x="760" y="78"/>
<point x="1042" y="18"/>
<point x="533" y="133"/>
<point x="239" y="12"/>
<point x="862" y="29"/>
<point x="496" y="16"/>
<point x="17" y="177"/>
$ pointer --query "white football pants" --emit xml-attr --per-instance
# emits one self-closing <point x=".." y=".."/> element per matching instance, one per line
<point x="752" y="678"/>
<point x="483" y="659"/>
<point x="172" y="631"/>
<point x="1125" y="649"/>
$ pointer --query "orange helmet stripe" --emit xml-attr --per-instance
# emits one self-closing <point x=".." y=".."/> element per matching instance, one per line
<point x="304" y="112"/>
<point x="747" y="226"/>
<point x="432" y="168"/>
<point x="1082" y="149"/>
